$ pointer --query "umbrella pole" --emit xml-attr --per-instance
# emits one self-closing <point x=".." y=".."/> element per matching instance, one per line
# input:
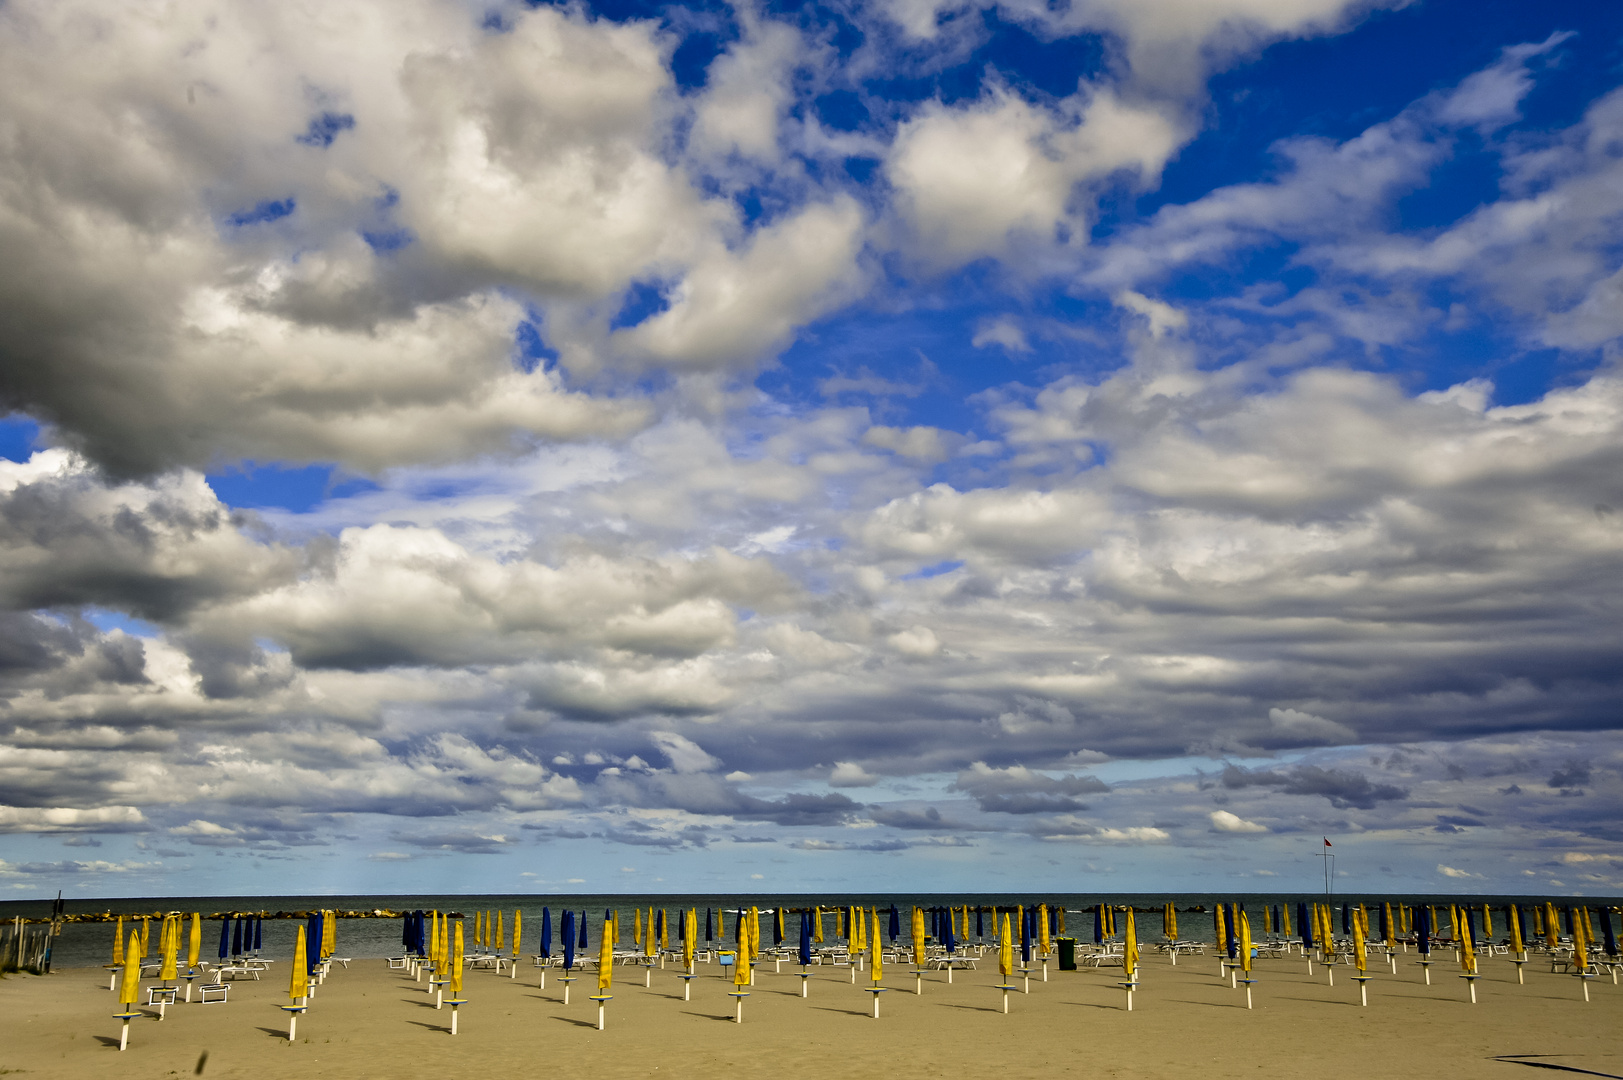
<point x="124" y="1035"/>
<point x="292" y="1026"/>
<point x="453" y="1019"/>
<point x="1045" y="970"/>
<point x="949" y="973"/>
<point x="1006" y="1001"/>
<point x="600" y="1015"/>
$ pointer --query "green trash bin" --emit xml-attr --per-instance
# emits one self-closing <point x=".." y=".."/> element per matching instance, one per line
<point x="1067" y="953"/>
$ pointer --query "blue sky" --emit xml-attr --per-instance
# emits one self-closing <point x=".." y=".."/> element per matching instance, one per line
<point x="643" y="447"/>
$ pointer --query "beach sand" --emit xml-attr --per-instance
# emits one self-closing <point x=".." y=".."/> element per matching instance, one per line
<point x="369" y="1021"/>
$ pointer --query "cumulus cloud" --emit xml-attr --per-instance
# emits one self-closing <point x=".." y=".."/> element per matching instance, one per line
<point x="1223" y="821"/>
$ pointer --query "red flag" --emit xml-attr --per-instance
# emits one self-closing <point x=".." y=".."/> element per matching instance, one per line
<point x="1327" y="842"/>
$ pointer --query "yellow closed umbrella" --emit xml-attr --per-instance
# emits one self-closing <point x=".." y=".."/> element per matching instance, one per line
<point x="1391" y="928"/>
<point x="1129" y="954"/>
<point x="1487" y="922"/>
<point x="1580" y="944"/>
<point x="1221" y="928"/>
<point x="1467" y="950"/>
<point x="919" y="950"/>
<point x="636" y="927"/>
<point x="146" y="937"/>
<point x="605" y="959"/>
<point x="664" y="929"/>
<point x="298" y="987"/>
<point x="1245" y="942"/>
<point x="1005" y="946"/>
<point x="1042" y="929"/>
<point x="741" y="963"/>
<point x="647" y="934"/>
<point x="501" y="941"/>
<point x="1360" y="952"/>
<point x="171" y="946"/>
<point x="194" y="941"/>
<point x="118" y="941"/>
<point x="129" y="988"/>
<point x="688" y="938"/>
<point x="878" y="960"/>
<point x="1552" y="926"/>
<point x="455" y="959"/>
<point x="1516" y="943"/>
<point x="817" y="924"/>
<point x="518" y="933"/>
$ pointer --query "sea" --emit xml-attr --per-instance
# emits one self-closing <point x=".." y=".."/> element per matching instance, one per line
<point x="91" y="944"/>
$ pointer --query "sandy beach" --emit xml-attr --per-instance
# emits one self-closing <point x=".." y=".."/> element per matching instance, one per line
<point x="369" y="1021"/>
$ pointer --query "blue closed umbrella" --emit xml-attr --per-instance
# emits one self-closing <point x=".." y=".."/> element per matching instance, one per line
<point x="236" y="938"/>
<point x="947" y="935"/>
<point x="583" y="942"/>
<point x="259" y="933"/>
<point x="777" y="928"/>
<point x="709" y="933"/>
<point x="895" y="924"/>
<point x="1384" y="934"/>
<point x="1025" y="941"/>
<point x="313" y="936"/>
<point x="1232" y="930"/>
<point x="980" y="925"/>
<point x="567" y="930"/>
<point x="1422" y="925"/>
<point x="1606" y="929"/>
<point x="1098" y="924"/>
<point x="546" y="932"/>
<point x="805" y="939"/>
<point x="225" y="938"/>
<point x="1346" y="918"/>
<point x="1305" y="925"/>
<point x="1470" y="926"/>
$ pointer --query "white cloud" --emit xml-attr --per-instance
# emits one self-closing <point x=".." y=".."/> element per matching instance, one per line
<point x="1223" y="821"/>
<point x="1449" y="871"/>
<point x="850" y="774"/>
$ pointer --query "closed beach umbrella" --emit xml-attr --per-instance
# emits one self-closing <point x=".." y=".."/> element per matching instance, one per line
<point x="1305" y="924"/>
<point x="1359" y="949"/>
<point x="1005" y="951"/>
<point x="1099" y="924"/>
<point x="546" y="931"/>
<point x="805" y="939"/>
<point x="636" y="927"/>
<point x="518" y="930"/>
<point x="878" y="969"/>
<point x="1423" y="931"/>
<point x="259" y="932"/>
<point x="1513" y="916"/>
<point x="1285" y="914"/>
<point x="1129" y="952"/>
<point x="690" y="931"/>
<point x="1043" y="931"/>
<point x="129" y="987"/>
<point x="605" y="958"/>
<point x="171" y="945"/>
<point x="236" y="937"/>
<point x="1025" y="942"/>
<point x="1468" y="943"/>
<point x="1552" y="927"/>
<point x="708" y="935"/>
<point x="501" y="940"/>
<point x="918" y="938"/>
<point x="1232" y="944"/>
<point x="1172" y="922"/>
<point x="980" y="925"/>
<point x="1487" y="923"/>
<point x="1221" y="928"/>
<point x="1580" y="947"/>
<point x="583" y="943"/>
<point x="951" y="939"/>
<point x="895" y="924"/>
<point x="298" y="985"/>
<point x="456" y="960"/>
<point x="777" y="925"/>
<point x="567" y="930"/>
<point x="225" y="937"/>
<point x="194" y="940"/>
<point x="118" y="941"/>
<point x="1245" y="943"/>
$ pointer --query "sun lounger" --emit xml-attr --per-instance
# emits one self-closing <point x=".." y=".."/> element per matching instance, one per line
<point x="213" y="992"/>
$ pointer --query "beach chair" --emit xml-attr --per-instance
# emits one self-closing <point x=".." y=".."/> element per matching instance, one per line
<point x="162" y="995"/>
<point x="397" y="962"/>
<point x="214" y="992"/>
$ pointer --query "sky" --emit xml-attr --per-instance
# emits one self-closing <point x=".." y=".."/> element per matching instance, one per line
<point x="1109" y="446"/>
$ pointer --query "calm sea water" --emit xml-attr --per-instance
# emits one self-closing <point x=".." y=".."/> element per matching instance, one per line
<point x="90" y="944"/>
